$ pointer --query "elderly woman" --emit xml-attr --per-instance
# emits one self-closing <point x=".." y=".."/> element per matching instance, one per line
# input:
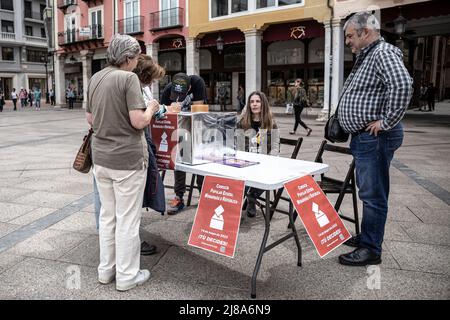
<point x="117" y="112"/>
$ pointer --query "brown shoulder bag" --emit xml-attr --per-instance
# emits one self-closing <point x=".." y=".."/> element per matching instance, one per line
<point x="83" y="159"/>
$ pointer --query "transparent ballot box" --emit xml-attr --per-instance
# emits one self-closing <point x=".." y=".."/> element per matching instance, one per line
<point x="205" y="136"/>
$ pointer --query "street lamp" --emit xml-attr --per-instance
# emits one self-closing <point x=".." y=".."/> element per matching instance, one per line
<point x="400" y="24"/>
<point x="219" y="44"/>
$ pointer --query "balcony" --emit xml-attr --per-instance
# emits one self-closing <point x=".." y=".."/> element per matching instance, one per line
<point x="34" y="15"/>
<point x="36" y="40"/>
<point x="8" y="36"/>
<point x="83" y="34"/>
<point x="133" y="25"/>
<point x="167" y="19"/>
<point x="62" y="4"/>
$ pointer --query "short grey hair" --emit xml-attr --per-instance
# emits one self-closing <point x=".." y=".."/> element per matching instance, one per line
<point x="121" y="47"/>
<point x="363" y="20"/>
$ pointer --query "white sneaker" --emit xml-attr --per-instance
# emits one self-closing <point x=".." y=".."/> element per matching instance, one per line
<point x="106" y="279"/>
<point x="142" y="276"/>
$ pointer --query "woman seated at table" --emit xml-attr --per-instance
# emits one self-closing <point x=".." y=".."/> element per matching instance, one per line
<point x="260" y="135"/>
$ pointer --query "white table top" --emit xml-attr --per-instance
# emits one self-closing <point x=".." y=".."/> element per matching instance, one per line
<point x="269" y="174"/>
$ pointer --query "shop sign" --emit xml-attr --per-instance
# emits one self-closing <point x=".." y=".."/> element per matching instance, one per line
<point x="164" y="136"/>
<point x="298" y="32"/>
<point x="218" y="217"/>
<point x="323" y="224"/>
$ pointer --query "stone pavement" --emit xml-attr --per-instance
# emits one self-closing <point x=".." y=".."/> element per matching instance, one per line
<point x="49" y="244"/>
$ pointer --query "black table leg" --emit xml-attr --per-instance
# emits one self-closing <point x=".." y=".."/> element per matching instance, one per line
<point x="294" y="230"/>
<point x="263" y="245"/>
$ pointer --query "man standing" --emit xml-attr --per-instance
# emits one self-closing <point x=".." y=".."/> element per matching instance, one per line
<point x="431" y="92"/>
<point x="373" y="101"/>
<point x="176" y="91"/>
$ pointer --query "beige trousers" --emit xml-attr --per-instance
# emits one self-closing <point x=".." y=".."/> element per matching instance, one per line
<point x="121" y="194"/>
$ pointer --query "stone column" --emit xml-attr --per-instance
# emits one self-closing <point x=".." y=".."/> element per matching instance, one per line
<point x="435" y="60"/>
<point x="323" y="115"/>
<point x="337" y="65"/>
<point x="252" y="60"/>
<point x="86" y="65"/>
<point x="60" y="80"/>
<point x="152" y="51"/>
<point x="192" y="57"/>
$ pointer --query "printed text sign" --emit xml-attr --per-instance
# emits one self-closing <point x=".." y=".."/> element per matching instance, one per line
<point x="164" y="136"/>
<point x="321" y="221"/>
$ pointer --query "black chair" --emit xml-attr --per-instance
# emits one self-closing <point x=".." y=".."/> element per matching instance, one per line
<point x="341" y="187"/>
<point x="278" y="194"/>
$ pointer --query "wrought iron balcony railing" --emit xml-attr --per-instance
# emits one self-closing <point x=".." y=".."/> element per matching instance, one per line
<point x="92" y="32"/>
<point x="61" y="4"/>
<point x="131" y="25"/>
<point x="167" y="19"/>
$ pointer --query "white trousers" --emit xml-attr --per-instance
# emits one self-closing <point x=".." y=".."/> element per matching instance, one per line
<point x="121" y="194"/>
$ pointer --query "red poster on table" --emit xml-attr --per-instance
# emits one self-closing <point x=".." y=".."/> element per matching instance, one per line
<point x="321" y="221"/>
<point x="164" y="136"/>
<point x="216" y="223"/>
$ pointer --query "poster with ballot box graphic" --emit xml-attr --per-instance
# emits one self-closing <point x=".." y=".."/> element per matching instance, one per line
<point x="164" y="136"/>
<point x="218" y="216"/>
<point x="321" y="221"/>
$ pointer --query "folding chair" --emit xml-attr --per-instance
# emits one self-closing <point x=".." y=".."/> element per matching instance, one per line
<point x="341" y="187"/>
<point x="278" y="194"/>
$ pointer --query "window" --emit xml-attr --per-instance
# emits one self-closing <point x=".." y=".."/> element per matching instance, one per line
<point x="265" y="3"/>
<point x="7" y="5"/>
<point x="7" y="26"/>
<point x="288" y="2"/>
<point x="285" y="53"/>
<point x="169" y="13"/>
<point x="219" y="8"/>
<point x="8" y="54"/>
<point x="43" y="35"/>
<point x="29" y="30"/>
<point x="41" y="11"/>
<point x="35" y="55"/>
<point x="27" y="10"/>
<point x="238" y="5"/>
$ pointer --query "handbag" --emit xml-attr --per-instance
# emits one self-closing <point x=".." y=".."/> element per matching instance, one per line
<point x="289" y="108"/>
<point x="333" y="130"/>
<point x="83" y="159"/>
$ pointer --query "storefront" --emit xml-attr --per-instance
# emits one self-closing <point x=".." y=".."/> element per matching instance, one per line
<point x="172" y="57"/>
<point x="74" y="79"/>
<point x="6" y="87"/>
<point x="223" y="70"/>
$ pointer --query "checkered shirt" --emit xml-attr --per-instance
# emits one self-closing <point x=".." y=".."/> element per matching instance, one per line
<point x="378" y="88"/>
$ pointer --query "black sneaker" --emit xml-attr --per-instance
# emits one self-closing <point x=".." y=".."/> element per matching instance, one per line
<point x="251" y="209"/>
<point x="175" y="206"/>
<point x="147" y="249"/>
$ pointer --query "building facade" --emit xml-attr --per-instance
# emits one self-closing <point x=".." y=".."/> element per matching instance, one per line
<point x="23" y="44"/>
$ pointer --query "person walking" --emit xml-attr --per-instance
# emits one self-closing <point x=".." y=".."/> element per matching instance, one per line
<point x="14" y="98"/>
<point x="299" y="99"/>
<point x="37" y="98"/>
<point x="117" y="113"/>
<point x="260" y="135"/>
<point x="52" y="97"/>
<point x="372" y="104"/>
<point x="23" y="97"/>
<point x="2" y="101"/>
<point x="30" y="97"/>
<point x="431" y="96"/>
<point x="241" y="98"/>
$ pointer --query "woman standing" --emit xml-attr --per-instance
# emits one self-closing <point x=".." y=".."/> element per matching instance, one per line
<point x="261" y="136"/>
<point x="14" y="98"/>
<point x="299" y="100"/>
<point x="117" y="113"/>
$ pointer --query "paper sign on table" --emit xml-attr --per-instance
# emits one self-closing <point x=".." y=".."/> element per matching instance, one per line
<point x="218" y="217"/>
<point x="321" y="221"/>
<point x="165" y="139"/>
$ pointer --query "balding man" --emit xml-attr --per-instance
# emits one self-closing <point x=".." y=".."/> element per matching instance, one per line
<point x="373" y="101"/>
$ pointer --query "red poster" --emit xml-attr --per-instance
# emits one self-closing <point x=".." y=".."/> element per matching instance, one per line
<point x="164" y="136"/>
<point x="216" y="223"/>
<point x="321" y="221"/>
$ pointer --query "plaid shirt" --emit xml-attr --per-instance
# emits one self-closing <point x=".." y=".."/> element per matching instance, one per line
<point x="378" y="88"/>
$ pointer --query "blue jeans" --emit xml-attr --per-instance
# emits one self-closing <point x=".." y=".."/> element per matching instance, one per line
<point x="373" y="157"/>
<point x="97" y="204"/>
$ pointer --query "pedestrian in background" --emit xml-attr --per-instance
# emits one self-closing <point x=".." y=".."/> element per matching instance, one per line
<point x="23" y="97"/>
<point x="117" y="113"/>
<point x="30" y="97"/>
<point x="2" y="101"/>
<point x="260" y="136"/>
<point x="52" y="97"/>
<point x="299" y="99"/>
<point x="14" y="98"/>
<point x="373" y="101"/>
<point x="37" y="98"/>
<point x="431" y="96"/>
